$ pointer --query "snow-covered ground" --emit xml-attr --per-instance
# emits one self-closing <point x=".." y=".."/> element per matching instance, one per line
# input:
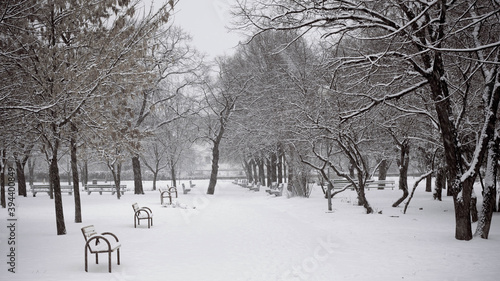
<point x="239" y="234"/>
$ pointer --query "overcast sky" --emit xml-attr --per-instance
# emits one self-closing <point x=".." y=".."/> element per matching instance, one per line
<point x="205" y="20"/>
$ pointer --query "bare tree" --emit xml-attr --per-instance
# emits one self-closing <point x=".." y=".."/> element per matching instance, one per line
<point x="60" y="54"/>
<point x="425" y="36"/>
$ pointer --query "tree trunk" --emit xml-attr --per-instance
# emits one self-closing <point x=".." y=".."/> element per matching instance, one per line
<point x="215" y="168"/>
<point x="382" y="172"/>
<point x="262" y="175"/>
<point x="254" y="170"/>
<point x="21" y="179"/>
<point x="136" y="167"/>
<point x="155" y="178"/>
<point x="281" y="156"/>
<point x="173" y="175"/>
<point x="56" y="185"/>
<point x="116" y="170"/>
<point x="362" y="201"/>
<point x="462" y="201"/>
<point x="248" y="170"/>
<point x="290" y="177"/>
<point x="268" y="168"/>
<point x="351" y="169"/>
<point x="428" y="183"/>
<point x="31" y="170"/>
<point x="403" y="164"/>
<point x="473" y="207"/>
<point x="382" y="169"/>
<point x="76" y="180"/>
<point x="85" y="172"/>
<point x="440" y="183"/>
<point x="489" y="192"/>
<point x="449" y="183"/>
<point x="274" y="159"/>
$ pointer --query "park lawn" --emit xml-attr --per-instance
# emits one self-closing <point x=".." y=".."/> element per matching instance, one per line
<point x="238" y="234"/>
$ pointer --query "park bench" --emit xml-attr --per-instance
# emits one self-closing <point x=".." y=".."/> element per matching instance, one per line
<point x="143" y="213"/>
<point x="104" y="188"/>
<point x="185" y="189"/>
<point x="243" y="183"/>
<point x="168" y="193"/>
<point x="100" y="243"/>
<point x="255" y="187"/>
<point x="46" y="188"/>
<point x="342" y="184"/>
<point x="275" y="189"/>
<point x="274" y="185"/>
<point x="191" y="184"/>
<point x="381" y="184"/>
<point x="248" y="184"/>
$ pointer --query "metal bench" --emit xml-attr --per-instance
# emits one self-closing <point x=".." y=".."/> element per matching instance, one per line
<point x="100" y="243"/>
<point x="46" y="188"/>
<point x="168" y="193"/>
<point x="185" y="190"/>
<point x="143" y="213"/>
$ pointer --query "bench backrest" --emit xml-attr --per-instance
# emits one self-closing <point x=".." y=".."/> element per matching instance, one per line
<point x="135" y="206"/>
<point x="88" y="231"/>
<point x="168" y="190"/>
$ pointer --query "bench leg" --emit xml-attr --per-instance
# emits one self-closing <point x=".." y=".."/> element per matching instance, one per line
<point x="86" y="263"/>
<point x="96" y="258"/>
<point x="109" y="262"/>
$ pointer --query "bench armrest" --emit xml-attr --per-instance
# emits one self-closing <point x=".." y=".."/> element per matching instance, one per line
<point x="109" y="233"/>
<point x="146" y="210"/>
<point x="99" y="246"/>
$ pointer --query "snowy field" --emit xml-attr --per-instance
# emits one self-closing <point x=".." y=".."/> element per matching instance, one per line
<point x="239" y="234"/>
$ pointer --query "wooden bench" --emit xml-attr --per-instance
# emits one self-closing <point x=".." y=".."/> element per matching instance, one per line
<point x="46" y="188"/>
<point x="191" y="184"/>
<point x="381" y="184"/>
<point x="276" y="189"/>
<point x="100" y="243"/>
<point x="340" y="184"/>
<point x="185" y="190"/>
<point x="143" y="213"/>
<point x="167" y="193"/>
<point x="104" y="188"/>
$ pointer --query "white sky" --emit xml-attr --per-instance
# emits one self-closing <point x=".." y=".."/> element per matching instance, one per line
<point x="206" y="21"/>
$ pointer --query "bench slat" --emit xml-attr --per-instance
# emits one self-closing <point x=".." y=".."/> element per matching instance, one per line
<point x="104" y="188"/>
<point x="46" y="188"/>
